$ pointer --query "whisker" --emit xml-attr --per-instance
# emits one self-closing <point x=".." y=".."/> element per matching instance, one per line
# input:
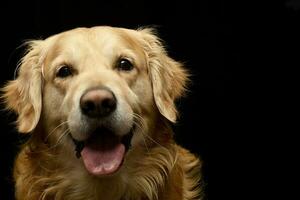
<point x="55" y="129"/>
<point x="141" y="131"/>
<point x="141" y="123"/>
<point x="65" y="133"/>
<point x="59" y="141"/>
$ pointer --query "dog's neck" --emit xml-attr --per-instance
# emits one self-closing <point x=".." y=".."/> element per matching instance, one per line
<point x="144" y="175"/>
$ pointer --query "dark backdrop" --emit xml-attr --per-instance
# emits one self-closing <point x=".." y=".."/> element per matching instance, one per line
<point x="216" y="39"/>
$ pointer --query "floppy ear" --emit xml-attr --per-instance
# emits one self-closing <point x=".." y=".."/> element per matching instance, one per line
<point x="24" y="95"/>
<point x="168" y="76"/>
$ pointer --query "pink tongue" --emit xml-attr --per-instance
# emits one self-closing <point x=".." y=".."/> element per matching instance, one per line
<point x="102" y="156"/>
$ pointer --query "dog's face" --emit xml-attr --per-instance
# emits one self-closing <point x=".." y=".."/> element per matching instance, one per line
<point x="103" y="87"/>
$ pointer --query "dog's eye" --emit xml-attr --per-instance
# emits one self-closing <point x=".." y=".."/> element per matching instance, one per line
<point x="124" y="65"/>
<point x="64" y="71"/>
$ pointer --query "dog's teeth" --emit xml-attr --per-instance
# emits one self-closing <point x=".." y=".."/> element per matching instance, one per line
<point x="78" y="155"/>
<point x="127" y="140"/>
<point x="78" y="147"/>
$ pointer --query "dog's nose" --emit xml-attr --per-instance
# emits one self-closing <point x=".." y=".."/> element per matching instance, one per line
<point x="98" y="102"/>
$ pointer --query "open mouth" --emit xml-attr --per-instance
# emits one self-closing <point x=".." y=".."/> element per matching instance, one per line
<point x="103" y="152"/>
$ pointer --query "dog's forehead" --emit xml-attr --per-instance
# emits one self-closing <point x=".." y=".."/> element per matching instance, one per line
<point x="87" y="46"/>
<point x="101" y="38"/>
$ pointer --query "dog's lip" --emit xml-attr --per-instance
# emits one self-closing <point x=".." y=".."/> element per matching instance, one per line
<point x="126" y="139"/>
<point x="118" y="140"/>
<point x="103" y="153"/>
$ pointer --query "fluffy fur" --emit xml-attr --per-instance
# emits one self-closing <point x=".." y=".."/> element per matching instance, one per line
<point x="155" y="168"/>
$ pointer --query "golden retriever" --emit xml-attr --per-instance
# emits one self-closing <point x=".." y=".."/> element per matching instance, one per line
<point x="99" y="104"/>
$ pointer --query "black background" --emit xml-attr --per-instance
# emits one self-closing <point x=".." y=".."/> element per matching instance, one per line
<point x="221" y="43"/>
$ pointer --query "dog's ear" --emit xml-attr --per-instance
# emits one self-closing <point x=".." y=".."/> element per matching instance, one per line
<point x="168" y="76"/>
<point x="24" y="94"/>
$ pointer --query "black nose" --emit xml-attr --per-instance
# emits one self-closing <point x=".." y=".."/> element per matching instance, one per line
<point x="98" y="102"/>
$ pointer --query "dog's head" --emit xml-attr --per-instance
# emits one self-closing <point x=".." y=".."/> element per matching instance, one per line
<point x="105" y="87"/>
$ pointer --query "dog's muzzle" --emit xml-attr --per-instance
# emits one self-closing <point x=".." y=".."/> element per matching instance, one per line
<point x="104" y="149"/>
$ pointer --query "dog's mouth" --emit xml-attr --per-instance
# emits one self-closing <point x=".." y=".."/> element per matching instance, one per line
<point x="103" y="152"/>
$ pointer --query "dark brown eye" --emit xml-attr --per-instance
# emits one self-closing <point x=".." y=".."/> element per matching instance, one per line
<point x="124" y="65"/>
<point x="64" y="72"/>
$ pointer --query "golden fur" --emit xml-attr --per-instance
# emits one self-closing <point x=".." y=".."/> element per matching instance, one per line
<point x="155" y="168"/>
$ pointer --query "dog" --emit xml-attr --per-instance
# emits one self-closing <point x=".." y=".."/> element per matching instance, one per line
<point x="98" y="104"/>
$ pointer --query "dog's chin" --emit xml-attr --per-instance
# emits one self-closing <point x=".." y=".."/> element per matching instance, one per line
<point x="103" y="152"/>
